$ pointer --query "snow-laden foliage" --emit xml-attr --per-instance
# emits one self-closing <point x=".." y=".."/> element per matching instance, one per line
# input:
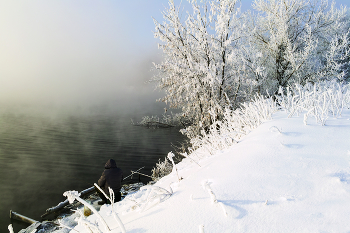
<point x="162" y="169"/>
<point x="164" y="121"/>
<point x="75" y="195"/>
<point x="10" y="228"/>
<point x="300" y="41"/>
<point x="319" y="100"/>
<point x="216" y="57"/>
<point x="201" y="70"/>
<point x="234" y="125"/>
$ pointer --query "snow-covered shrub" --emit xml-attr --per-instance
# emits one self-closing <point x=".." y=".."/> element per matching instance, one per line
<point x="166" y="120"/>
<point x="234" y="125"/>
<point x="75" y="195"/>
<point x="162" y="169"/>
<point x="319" y="100"/>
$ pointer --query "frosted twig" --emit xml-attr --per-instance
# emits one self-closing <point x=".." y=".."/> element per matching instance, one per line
<point x="133" y="172"/>
<point x="111" y="199"/>
<point x="156" y="195"/>
<point x="275" y="127"/>
<point x="72" y="195"/>
<point x="187" y="156"/>
<point x="210" y="191"/>
<point x="170" y="157"/>
<point x="10" y="228"/>
<point x="223" y="208"/>
<point x="201" y="228"/>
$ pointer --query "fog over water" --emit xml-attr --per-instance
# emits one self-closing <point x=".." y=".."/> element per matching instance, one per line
<point x="76" y="52"/>
<point x="72" y="74"/>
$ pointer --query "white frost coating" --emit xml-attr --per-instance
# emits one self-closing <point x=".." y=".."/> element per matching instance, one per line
<point x="170" y="157"/>
<point x="72" y="195"/>
<point x="111" y="199"/>
<point x="207" y="187"/>
<point x="10" y="228"/>
<point x="215" y="57"/>
<point x="213" y="199"/>
<point x="318" y="100"/>
<point x="201" y="228"/>
<point x="223" y="208"/>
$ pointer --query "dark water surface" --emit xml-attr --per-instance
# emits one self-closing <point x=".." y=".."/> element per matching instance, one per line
<point x="43" y="156"/>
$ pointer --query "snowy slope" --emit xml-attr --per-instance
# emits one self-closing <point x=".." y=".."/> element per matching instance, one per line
<point x="282" y="177"/>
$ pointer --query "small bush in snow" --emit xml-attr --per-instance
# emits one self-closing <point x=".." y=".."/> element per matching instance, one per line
<point x="319" y="100"/>
<point x="162" y="169"/>
<point x="234" y="125"/>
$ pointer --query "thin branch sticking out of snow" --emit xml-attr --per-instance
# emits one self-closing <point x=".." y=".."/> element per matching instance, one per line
<point x="274" y="128"/>
<point x="170" y="157"/>
<point x="111" y="199"/>
<point x="223" y="208"/>
<point x="72" y="195"/>
<point x="10" y="228"/>
<point x="206" y="186"/>
<point x="201" y="228"/>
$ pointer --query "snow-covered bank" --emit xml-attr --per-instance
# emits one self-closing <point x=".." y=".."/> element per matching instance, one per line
<point x="282" y="177"/>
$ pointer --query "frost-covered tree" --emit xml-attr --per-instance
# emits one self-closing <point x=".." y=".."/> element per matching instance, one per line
<point x="216" y="58"/>
<point x="346" y="66"/>
<point x="201" y="67"/>
<point x="300" y="41"/>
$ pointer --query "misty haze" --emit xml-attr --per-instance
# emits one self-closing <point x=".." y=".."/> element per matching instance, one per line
<point x="72" y="76"/>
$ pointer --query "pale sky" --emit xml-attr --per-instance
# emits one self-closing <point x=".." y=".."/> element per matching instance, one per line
<point x="78" y="51"/>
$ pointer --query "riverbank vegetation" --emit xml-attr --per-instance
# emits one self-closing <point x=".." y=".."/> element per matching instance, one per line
<point x="217" y="57"/>
<point x="228" y="70"/>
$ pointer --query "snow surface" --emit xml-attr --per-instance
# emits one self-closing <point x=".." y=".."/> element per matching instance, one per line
<point x="282" y="177"/>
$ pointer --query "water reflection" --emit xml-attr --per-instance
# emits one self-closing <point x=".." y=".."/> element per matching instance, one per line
<point x="41" y="157"/>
